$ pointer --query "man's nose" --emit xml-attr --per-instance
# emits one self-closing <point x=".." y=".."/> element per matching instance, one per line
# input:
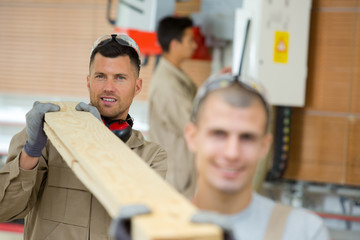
<point x="109" y="85"/>
<point x="232" y="148"/>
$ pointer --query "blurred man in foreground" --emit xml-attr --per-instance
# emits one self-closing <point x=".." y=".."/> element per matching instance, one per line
<point x="229" y="136"/>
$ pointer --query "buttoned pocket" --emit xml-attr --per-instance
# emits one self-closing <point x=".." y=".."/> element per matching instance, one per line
<point x="65" y="198"/>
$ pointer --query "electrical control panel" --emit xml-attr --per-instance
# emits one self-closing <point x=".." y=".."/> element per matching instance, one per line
<point x="277" y="47"/>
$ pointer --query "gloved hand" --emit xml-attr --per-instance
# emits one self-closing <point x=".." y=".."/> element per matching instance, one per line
<point x="120" y="226"/>
<point x="81" y="106"/>
<point x="34" y="127"/>
<point x="217" y="219"/>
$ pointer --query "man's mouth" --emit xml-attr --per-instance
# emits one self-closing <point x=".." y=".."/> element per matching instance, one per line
<point x="106" y="99"/>
<point x="229" y="172"/>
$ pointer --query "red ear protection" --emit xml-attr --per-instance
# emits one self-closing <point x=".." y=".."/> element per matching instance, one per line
<point x="121" y="128"/>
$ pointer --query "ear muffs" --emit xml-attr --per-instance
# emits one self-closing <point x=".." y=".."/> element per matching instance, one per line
<point x="121" y="128"/>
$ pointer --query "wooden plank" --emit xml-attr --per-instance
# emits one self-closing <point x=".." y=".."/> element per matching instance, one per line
<point x="117" y="177"/>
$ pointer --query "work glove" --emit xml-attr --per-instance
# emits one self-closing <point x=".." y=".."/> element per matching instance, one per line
<point x="217" y="219"/>
<point x="34" y="127"/>
<point x="81" y="106"/>
<point x="120" y="226"/>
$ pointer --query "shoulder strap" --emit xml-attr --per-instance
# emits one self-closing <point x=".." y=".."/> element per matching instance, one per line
<point x="277" y="222"/>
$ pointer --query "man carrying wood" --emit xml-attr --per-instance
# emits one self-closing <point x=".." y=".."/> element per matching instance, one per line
<point x="229" y="136"/>
<point x="37" y="184"/>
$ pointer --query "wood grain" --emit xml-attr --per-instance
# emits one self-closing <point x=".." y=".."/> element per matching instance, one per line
<point x="117" y="177"/>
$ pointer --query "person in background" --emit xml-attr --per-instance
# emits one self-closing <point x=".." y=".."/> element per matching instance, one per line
<point x="37" y="184"/>
<point x="170" y="101"/>
<point x="229" y="137"/>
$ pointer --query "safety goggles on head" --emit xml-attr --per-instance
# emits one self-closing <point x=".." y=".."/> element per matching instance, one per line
<point x="120" y="38"/>
<point x="225" y="80"/>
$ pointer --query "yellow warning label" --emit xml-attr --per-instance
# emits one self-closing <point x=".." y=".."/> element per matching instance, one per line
<point x="281" y="47"/>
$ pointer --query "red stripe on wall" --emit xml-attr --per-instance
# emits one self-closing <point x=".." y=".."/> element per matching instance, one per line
<point x="12" y="227"/>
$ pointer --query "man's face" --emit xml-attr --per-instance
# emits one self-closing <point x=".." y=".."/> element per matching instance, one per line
<point x="228" y="142"/>
<point x="112" y="84"/>
<point x="187" y="45"/>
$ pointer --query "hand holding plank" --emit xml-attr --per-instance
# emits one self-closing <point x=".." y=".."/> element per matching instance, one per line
<point x="34" y="127"/>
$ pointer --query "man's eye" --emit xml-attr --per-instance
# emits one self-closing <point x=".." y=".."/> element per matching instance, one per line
<point x="99" y="76"/>
<point x="120" y="78"/>
<point x="219" y="133"/>
<point x="248" y="138"/>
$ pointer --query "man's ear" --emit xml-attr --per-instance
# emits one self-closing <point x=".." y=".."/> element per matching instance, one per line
<point x="138" y="86"/>
<point x="173" y="44"/>
<point x="88" y="82"/>
<point x="190" y="136"/>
